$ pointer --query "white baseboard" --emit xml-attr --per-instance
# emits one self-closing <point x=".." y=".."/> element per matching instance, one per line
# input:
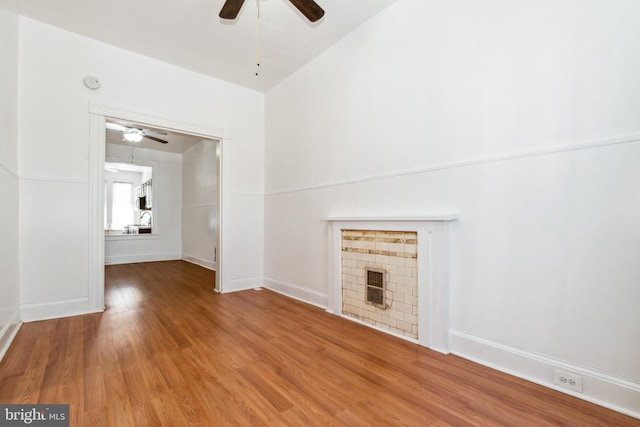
<point x="620" y="394"/>
<point x="56" y="309"/>
<point x="211" y="265"/>
<point x="296" y="292"/>
<point x="133" y="258"/>
<point x="9" y="331"/>
<point x="242" y="284"/>
<point x="377" y="328"/>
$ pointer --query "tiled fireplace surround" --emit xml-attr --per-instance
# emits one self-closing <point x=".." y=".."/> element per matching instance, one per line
<point x="396" y="253"/>
<point x="414" y="253"/>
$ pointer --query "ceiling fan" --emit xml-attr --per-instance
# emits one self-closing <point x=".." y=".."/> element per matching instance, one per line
<point x="309" y="8"/>
<point x="133" y="134"/>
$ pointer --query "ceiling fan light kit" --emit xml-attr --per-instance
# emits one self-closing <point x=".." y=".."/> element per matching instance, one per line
<point x="133" y="136"/>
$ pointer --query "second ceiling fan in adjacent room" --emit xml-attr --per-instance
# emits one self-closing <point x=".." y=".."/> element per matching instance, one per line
<point x="134" y="134"/>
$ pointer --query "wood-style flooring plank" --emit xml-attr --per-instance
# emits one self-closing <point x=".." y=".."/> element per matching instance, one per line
<point x="169" y="351"/>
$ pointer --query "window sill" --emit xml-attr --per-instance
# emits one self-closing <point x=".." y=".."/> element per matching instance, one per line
<point x="116" y="237"/>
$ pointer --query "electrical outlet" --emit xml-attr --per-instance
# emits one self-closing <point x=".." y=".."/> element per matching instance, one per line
<point x="567" y="380"/>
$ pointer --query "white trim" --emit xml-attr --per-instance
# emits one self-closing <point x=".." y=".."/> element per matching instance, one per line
<point x="386" y="331"/>
<point x="206" y="205"/>
<point x="9" y="171"/>
<point x="247" y="193"/>
<point x="224" y="210"/>
<point x="431" y="217"/>
<point x="150" y="119"/>
<point x="469" y="162"/>
<point x="135" y="258"/>
<point x="297" y="292"/>
<point x="620" y="394"/>
<point x="243" y="284"/>
<point x="9" y="332"/>
<point x="56" y="309"/>
<point x="98" y="113"/>
<point x="211" y="265"/>
<point x="128" y="237"/>
<point x="96" y="244"/>
<point x="54" y="179"/>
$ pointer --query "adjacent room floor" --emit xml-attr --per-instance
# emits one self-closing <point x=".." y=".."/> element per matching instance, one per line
<point x="169" y="351"/>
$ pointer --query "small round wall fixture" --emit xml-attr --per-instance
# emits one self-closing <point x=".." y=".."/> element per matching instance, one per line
<point x="91" y="82"/>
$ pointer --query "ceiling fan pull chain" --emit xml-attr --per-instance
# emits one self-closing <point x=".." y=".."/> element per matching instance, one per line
<point x="258" y="38"/>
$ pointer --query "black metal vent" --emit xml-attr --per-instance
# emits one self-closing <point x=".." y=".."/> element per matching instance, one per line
<point x="376" y="288"/>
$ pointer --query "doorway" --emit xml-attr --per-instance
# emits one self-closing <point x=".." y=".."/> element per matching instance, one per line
<point x="159" y="235"/>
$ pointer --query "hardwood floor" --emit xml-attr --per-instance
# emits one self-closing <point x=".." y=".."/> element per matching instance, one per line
<point x="168" y="351"/>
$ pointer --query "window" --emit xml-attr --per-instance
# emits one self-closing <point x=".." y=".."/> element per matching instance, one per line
<point x="118" y="206"/>
<point x="122" y="205"/>
<point x="127" y="203"/>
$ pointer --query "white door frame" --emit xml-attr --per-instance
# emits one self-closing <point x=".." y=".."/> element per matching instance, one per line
<point x="98" y="114"/>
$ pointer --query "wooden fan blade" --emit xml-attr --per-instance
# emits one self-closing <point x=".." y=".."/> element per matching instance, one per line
<point x="153" y="138"/>
<point x="230" y="9"/>
<point x="309" y="8"/>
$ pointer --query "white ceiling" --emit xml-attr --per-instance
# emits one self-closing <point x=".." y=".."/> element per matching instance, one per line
<point x="191" y="35"/>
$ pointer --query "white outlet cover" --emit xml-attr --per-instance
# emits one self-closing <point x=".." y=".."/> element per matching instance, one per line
<point x="569" y="380"/>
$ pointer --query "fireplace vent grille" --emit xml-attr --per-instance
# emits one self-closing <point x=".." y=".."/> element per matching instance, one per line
<point x="376" y="287"/>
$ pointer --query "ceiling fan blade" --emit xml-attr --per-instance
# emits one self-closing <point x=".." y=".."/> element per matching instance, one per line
<point x="154" y="132"/>
<point x="309" y="8"/>
<point x="115" y="126"/>
<point x="153" y="138"/>
<point x="230" y="9"/>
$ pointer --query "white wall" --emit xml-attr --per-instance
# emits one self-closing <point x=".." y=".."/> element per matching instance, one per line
<point x="165" y="243"/>
<point x="509" y="113"/>
<point x="200" y="196"/>
<point x="9" y="272"/>
<point x="54" y="135"/>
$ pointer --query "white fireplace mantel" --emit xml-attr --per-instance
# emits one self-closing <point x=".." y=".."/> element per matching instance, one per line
<point x="433" y="267"/>
<point x="415" y="218"/>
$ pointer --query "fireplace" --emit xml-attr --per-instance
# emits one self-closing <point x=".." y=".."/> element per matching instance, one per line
<point x="392" y="274"/>
<point x="380" y="279"/>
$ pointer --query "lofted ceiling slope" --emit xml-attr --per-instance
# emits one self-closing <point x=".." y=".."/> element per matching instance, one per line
<point x="190" y="34"/>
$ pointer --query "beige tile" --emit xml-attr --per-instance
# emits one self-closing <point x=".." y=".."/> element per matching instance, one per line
<point x="382" y="326"/>
<point x="410" y="318"/>
<point x="403" y="309"/>
<point x="409" y="262"/>
<point x="396" y="247"/>
<point x="402" y="290"/>
<point x="347" y="262"/>
<point x="368" y="245"/>
<point x="382" y="259"/>
<point x="404" y="326"/>
<point x="397" y="261"/>
<point x="382" y="246"/>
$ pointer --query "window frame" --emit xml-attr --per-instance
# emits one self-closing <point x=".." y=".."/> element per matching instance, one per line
<point x="109" y="181"/>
